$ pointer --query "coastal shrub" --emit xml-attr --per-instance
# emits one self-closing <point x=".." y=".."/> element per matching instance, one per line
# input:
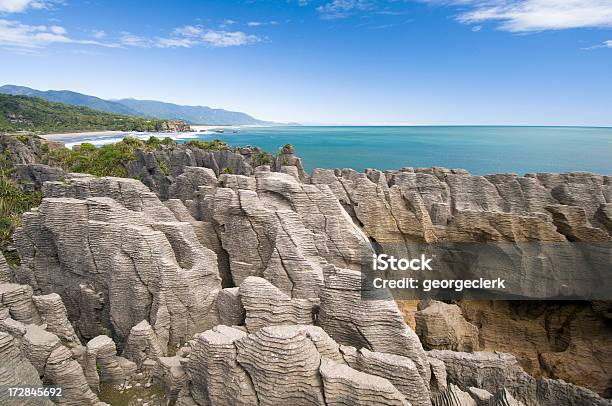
<point x="13" y="203"/>
<point x="106" y="160"/>
<point x="287" y="149"/>
<point x="168" y="141"/>
<point x="214" y="145"/>
<point x="163" y="167"/>
<point x="265" y="158"/>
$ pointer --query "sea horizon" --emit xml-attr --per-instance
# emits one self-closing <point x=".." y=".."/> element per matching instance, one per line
<point x="481" y="150"/>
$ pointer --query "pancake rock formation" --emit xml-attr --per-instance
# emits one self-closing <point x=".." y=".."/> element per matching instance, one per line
<point x="245" y="288"/>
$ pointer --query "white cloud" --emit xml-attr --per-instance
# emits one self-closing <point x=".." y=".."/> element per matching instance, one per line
<point x="260" y="23"/>
<point x="16" y="35"/>
<point x="534" y="15"/>
<point x="18" y="6"/>
<point x="99" y="34"/>
<point x="28" y="38"/>
<point x="189" y="36"/>
<point x="189" y="30"/>
<point x="222" y="39"/>
<point x="56" y="29"/>
<point x="132" y="40"/>
<point x="343" y="8"/>
<point x="605" y="44"/>
<point x="174" y="42"/>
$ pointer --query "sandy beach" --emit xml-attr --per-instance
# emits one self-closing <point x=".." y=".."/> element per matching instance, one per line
<point x="67" y="136"/>
<point x="89" y="134"/>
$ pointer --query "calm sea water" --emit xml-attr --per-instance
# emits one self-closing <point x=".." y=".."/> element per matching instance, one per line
<point x="480" y="150"/>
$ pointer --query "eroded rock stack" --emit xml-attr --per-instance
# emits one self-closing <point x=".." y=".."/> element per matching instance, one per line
<point x="276" y="257"/>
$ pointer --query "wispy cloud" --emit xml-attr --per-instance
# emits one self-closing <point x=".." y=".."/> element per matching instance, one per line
<point x="223" y="39"/>
<point x="19" y="6"/>
<point x="99" y="34"/>
<point x="260" y="23"/>
<point x="605" y="44"/>
<point x="189" y="36"/>
<point x="534" y="15"/>
<point x="24" y="38"/>
<point x="14" y="34"/>
<point x="343" y="8"/>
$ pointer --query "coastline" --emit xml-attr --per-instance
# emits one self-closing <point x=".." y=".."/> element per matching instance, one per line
<point x="107" y="133"/>
<point x="58" y="136"/>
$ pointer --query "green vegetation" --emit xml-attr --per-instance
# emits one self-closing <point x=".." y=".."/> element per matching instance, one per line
<point x="107" y="160"/>
<point x="214" y="145"/>
<point x="262" y="158"/>
<point x="22" y="113"/>
<point x="13" y="203"/>
<point x="227" y="171"/>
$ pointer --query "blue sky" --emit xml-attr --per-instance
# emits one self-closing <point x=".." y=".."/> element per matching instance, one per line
<point x="534" y="62"/>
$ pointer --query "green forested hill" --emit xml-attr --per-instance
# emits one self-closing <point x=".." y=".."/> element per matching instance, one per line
<point x="22" y="113"/>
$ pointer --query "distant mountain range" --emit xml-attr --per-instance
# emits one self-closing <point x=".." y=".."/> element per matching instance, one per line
<point x="140" y="108"/>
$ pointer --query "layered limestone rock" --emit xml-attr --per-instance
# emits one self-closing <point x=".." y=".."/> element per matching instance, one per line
<point x="453" y="396"/>
<point x="103" y="365"/>
<point x="51" y="350"/>
<point x="16" y="370"/>
<point x="495" y="371"/>
<point x="117" y="261"/>
<point x="162" y="169"/>
<point x="6" y="275"/>
<point x="142" y="344"/>
<point x="37" y="345"/>
<point x="569" y="341"/>
<point x="441" y="326"/>
<point x="400" y="371"/>
<point x="266" y="305"/>
<point x="366" y="323"/>
<point x="283" y="364"/>
<point x="288" y="251"/>
<point x="53" y="313"/>
<point x="18" y="300"/>
<point x="229" y="304"/>
<point x="63" y="370"/>
<point x="170" y="372"/>
<point x="346" y="386"/>
<point x="215" y="376"/>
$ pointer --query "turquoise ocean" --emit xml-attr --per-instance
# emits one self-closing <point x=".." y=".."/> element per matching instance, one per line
<point x="479" y="149"/>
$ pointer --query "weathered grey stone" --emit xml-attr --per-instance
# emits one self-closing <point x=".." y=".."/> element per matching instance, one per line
<point x="103" y="365"/>
<point x="18" y="299"/>
<point x="142" y="344"/>
<point x="215" y="377"/>
<point x="37" y="345"/>
<point x="5" y="271"/>
<point x="170" y="373"/>
<point x="373" y="324"/>
<point x="16" y="370"/>
<point x="266" y="305"/>
<point x="400" y="371"/>
<point x="117" y="262"/>
<point x="229" y="304"/>
<point x="53" y="314"/>
<point x="346" y="386"/>
<point x="441" y="326"/>
<point x="283" y="364"/>
<point x="453" y="396"/>
<point x="481" y="396"/>
<point x="62" y="370"/>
